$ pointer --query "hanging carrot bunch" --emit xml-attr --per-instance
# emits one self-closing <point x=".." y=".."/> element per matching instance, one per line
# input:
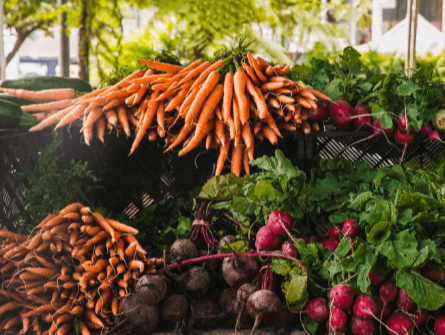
<point x="226" y="104"/>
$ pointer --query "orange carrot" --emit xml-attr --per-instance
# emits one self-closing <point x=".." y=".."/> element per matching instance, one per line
<point x="164" y="67"/>
<point x="271" y="122"/>
<point x="98" y="267"/>
<point x="248" y="139"/>
<point x="257" y="96"/>
<point x="89" y="122"/>
<point x="101" y="124"/>
<point x="283" y="71"/>
<point x="112" y="104"/>
<point x="148" y="118"/>
<point x="269" y="71"/>
<point x="195" y="73"/>
<point x="236" y="119"/>
<point x="228" y="92"/>
<point x="209" y="108"/>
<point x="237" y="156"/>
<point x="13" y="236"/>
<point x="220" y="132"/>
<point x="305" y="126"/>
<point x="177" y="100"/>
<point x="111" y="117"/>
<point x="91" y="316"/>
<point x="122" y="227"/>
<point x="54" y="118"/>
<point x="188" y="101"/>
<point x="45" y="95"/>
<point x="105" y="225"/>
<point x="206" y="73"/>
<point x="269" y="134"/>
<point x="223" y="152"/>
<point x="72" y="116"/>
<point x="254" y="64"/>
<point x="315" y="126"/>
<point x="50" y="106"/>
<point x="239" y="81"/>
<point x="198" y="137"/>
<point x="251" y="74"/>
<point x="246" y="162"/>
<point x="136" y="265"/>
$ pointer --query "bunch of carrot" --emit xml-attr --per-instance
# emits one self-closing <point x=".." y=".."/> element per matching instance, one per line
<point x="72" y="273"/>
<point x="195" y="104"/>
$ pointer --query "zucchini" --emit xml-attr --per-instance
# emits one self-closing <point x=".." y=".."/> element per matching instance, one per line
<point x="10" y="114"/>
<point x="27" y="120"/>
<point x="18" y="101"/>
<point x="47" y="83"/>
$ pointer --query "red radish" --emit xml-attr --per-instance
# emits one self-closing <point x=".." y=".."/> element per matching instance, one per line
<point x="350" y="228"/>
<point x="318" y="309"/>
<point x="266" y="240"/>
<point x="362" y="118"/>
<point x="239" y="270"/>
<point x="425" y="129"/>
<point x="428" y="272"/>
<point x="334" y="232"/>
<point x="421" y="319"/>
<point x="331" y="330"/>
<point x="338" y="319"/>
<point x="322" y="111"/>
<point x="280" y="223"/>
<point x="331" y="244"/>
<point x="361" y="326"/>
<point x="439" y="312"/>
<point x="400" y="323"/>
<point x="376" y="279"/>
<point x="340" y="113"/>
<point x="402" y="124"/>
<point x="265" y="305"/>
<point x="405" y="139"/>
<point x="388" y="292"/>
<point x="439" y="326"/>
<point x="342" y="296"/>
<point x="404" y="301"/>
<point x="288" y="248"/>
<point x="382" y="311"/>
<point x="364" y="307"/>
<point x="434" y="136"/>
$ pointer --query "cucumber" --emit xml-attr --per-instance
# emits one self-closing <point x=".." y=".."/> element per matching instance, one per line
<point x="27" y="120"/>
<point x="10" y="114"/>
<point x="47" y="83"/>
<point x="18" y="101"/>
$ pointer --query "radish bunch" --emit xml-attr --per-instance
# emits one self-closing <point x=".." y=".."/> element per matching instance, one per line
<point x="332" y="239"/>
<point x="279" y="225"/>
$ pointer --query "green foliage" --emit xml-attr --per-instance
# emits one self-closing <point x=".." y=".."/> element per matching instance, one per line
<point x="50" y="188"/>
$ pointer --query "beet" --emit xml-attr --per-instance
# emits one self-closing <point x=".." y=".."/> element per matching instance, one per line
<point x="228" y="304"/>
<point x="400" y="323"/>
<point x="331" y="244"/>
<point x="361" y="326"/>
<point x="338" y="319"/>
<point x="266" y="240"/>
<point x="205" y="313"/>
<point x="340" y="113"/>
<point x="139" y="315"/>
<point x="265" y="306"/>
<point x="439" y="326"/>
<point x="239" y="270"/>
<point x="226" y="240"/>
<point x="342" y="296"/>
<point x="350" y="228"/>
<point x="194" y="282"/>
<point x="421" y="319"/>
<point x="428" y="272"/>
<point x="362" y="118"/>
<point x="150" y="290"/>
<point x="322" y="111"/>
<point x="376" y="279"/>
<point x="334" y="232"/>
<point x="242" y="296"/>
<point x="318" y="309"/>
<point x="280" y="223"/>
<point x="288" y="248"/>
<point x="174" y="308"/>
<point x="211" y="264"/>
<point x="404" y="301"/>
<point x="182" y="250"/>
<point x="364" y="307"/>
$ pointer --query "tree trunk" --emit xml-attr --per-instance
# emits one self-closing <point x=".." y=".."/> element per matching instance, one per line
<point x="84" y="40"/>
<point x="22" y="35"/>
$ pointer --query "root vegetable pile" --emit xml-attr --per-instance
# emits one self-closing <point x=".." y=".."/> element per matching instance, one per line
<point x="194" y="105"/>
<point x="77" y="271"/>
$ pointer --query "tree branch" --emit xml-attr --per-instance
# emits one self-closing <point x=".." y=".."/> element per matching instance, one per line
<point x="22" y="36"/>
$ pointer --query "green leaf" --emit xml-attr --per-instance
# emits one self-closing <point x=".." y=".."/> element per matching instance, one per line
<point x="244" y="205"/>
<point x="424" y="292"/>
<point x="310" y="325"/>
<point x="222" y="187"/>
<point x="379" y="233"/>
<point x="238" y="246"/>
<point x="360" y="200"/>
<point x="183" y="227"/>
<point x="407" y="88"/>
<point x="402" y="251"/>
<point x="333" y="89"/>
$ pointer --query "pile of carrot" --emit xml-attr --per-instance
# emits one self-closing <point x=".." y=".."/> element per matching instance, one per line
<point x="193" y="105"/>
<point x="73" y="273"/>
